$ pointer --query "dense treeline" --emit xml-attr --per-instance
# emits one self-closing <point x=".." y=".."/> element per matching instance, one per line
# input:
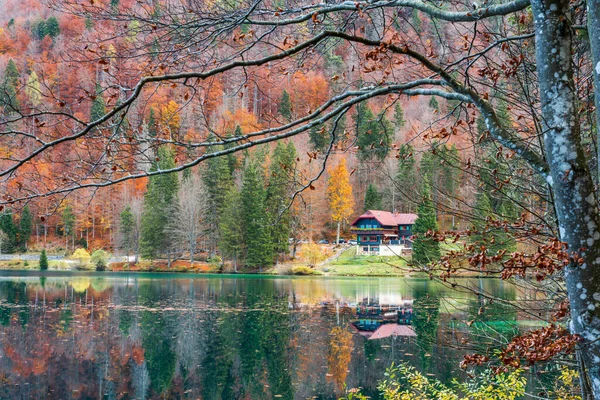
<point x="241" y="207"/>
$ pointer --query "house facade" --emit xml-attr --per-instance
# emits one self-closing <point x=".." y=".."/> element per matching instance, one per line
<point x="382" y="232"/>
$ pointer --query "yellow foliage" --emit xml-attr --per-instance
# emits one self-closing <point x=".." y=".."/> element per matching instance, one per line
<point x="80" y="285"/>
<point x="82" y="257"/>
<point x="403" y="382"/>
<point x="339" y="193"/>
<point x="566" y="386"/>
<point x="170" y="118"/>
<point x="339" y="355"/>
<point x="312" y="253"/>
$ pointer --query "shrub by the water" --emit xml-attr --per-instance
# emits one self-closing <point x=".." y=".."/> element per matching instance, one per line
<point x="43" y="260"/>
<point x="303" y="270"/>
<point x="100" y="259"/>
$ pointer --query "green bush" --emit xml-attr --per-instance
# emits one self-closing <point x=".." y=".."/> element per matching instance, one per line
<point x="100" y="259"/>
<point x="215" y="261"/>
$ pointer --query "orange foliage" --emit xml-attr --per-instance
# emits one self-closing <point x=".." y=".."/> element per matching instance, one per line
<point x="310" y="91"/>
<point x="339" y="356"/>
<point x="242" y="118"/>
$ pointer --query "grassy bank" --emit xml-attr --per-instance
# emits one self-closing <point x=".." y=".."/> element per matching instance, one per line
<point x="349" y="264"/>
<point x="60" y="265"/>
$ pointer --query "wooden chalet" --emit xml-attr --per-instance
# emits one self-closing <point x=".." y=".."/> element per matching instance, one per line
<point x="376" y="228"/>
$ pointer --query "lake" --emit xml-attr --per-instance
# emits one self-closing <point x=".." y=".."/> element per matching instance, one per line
<point x="146" y="336"/>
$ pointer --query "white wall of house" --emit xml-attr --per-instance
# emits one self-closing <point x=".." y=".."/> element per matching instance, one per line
<point x="384" y="250"/>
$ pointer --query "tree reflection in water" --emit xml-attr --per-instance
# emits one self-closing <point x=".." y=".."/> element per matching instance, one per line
<point x="222" y="338"/>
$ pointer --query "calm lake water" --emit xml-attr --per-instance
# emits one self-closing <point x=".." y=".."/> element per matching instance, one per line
<point x="146" y="336"/>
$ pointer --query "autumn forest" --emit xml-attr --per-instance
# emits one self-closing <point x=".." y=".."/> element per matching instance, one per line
<point x="448" y="150"/>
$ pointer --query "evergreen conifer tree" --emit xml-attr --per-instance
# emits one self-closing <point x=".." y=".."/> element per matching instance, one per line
<point x="255" y="220"/>
<point x="372" y="198"/>
<point x="425" y="249"/>
<point x="68" y="220"/>
<point x="8" y="89"/>
<point x="52" y="27"/>
<point x="152" y="128"/>
<point x="406" y="177"/>
<point x="318" y="136"/>
<point x="25" y="227"/>
<point x="433" y="103"/>
<point x="281" y="177"/>
<point x="218" y="179"/>
<point x="399" y="121"/>
<point x="374" y="134"/>
<point x="7" y="225"/>
<point x="127" y="228"/>
<point x="98" y="108"/>
<point x="159" y="206"/>
<point x="43" y="260"/>
<point x="492" y="238"/>
<point x="285" y="106"/>
<point x="231" y="238"/>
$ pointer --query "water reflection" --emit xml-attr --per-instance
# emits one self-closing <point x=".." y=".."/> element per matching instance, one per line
<point x="231" y="338"/>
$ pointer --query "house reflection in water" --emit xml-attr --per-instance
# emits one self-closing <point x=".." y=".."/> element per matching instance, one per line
<point x="378" y="321"/>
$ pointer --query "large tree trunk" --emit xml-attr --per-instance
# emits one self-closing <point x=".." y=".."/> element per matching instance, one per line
<point x="593" y="19"/>
<point x="570" y="177"/>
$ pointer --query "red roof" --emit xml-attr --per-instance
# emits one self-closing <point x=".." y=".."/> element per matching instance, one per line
<point x="387" y="330"/>
<point x="387" y="218"/>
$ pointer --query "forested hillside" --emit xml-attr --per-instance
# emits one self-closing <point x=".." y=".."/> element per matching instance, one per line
<point x="241" y="132"/>
<point x="81" y="66"/>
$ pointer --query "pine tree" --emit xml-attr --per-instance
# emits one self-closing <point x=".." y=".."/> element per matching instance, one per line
<point x="425" y="249"/>
<point x="372" y="198"/>
<point x="159" y="203"/>
<point x="52" y="27"/>
<point x="8" y="89"/>
<point x="218" y="179"/>
<point x="25" y="227"/>
<point x="127" y="228"/>
<point x="399" y="121"/>
<point x="433" y="103"/>
<point x="339" y="195"/>
<point x="285" y="106"/>
<point x="439" y="168"/>
<point x="281" y="177"/>
<point x="319" y="138"/>
<point x="7" y="225"/>
<point x="43" y="260"/>
<point x="255" y="220"/>
<point x="231" y="238"/>
<point x="406" y="177"/>
<point x="152" y="128"/>
<point x="232" y="158"/>
<point x="492" y="238"/>
<point x="68" y="220"/>
<point x="374" y="134"/>
<point x="98" y="108"/>
<point x="39" y="29"/>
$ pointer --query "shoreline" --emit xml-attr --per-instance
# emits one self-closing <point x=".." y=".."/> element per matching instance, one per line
<point x="195" y="274"/>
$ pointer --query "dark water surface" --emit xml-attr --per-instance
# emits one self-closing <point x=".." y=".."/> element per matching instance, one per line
<point x="146" y="336"/>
